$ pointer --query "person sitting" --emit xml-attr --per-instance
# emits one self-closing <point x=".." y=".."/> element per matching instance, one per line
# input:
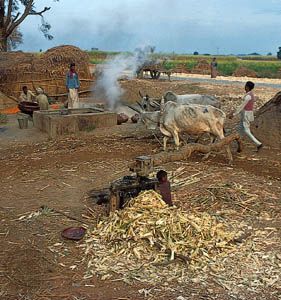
<point x="27" y="95"/>
<point x="42" y="99"/>
<point x="164" y="187"/>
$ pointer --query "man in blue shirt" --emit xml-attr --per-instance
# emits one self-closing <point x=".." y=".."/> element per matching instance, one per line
<point x="72" y="85"/>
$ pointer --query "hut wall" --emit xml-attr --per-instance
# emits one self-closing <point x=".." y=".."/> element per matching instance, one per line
<point x="46" y="70"/>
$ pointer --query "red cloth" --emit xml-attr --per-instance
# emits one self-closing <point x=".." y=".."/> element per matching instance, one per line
<point x="250" y="105"/>
<point x="164" y="189"/>
<point x="71" y="73"/>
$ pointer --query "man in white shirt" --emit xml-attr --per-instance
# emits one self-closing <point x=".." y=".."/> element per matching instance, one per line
<point x="246" y="111"/>
<point x="26" y="95"/>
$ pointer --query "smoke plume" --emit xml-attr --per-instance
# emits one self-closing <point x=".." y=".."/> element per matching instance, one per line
<point x="127" y="65"/>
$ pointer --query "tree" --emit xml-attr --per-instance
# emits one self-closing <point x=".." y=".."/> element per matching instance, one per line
<point x="279" y="53"/>
<point x="195" y="53"/>
<point x="14" y="40"/>
<point x="13" y="13"/>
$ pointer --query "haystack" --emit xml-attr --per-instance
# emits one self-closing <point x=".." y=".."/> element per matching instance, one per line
<point x="244" y="72"/>
<point x="202" y="67"/>
<point x="267" y="125"/>
<point x="46" y="70"/>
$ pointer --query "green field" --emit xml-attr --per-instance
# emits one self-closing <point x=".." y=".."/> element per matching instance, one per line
<point x="264" y="66"/>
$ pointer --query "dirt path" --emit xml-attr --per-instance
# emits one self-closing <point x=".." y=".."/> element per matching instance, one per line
<point x="222" y="80"/>
<point x="36" y="263"/>
<point x="59" y="175"/>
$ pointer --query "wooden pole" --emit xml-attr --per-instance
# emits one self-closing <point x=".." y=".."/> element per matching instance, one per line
<point x="186" y="151"/>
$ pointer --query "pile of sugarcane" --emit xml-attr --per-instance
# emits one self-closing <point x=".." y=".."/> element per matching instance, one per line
<point x="149" y="240"/>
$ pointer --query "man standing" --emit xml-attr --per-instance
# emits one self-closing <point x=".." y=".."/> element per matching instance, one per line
<point x="26" y="95"/>
<point x="246" y="111"/>
<point x="72" y="85"/>
<point x="214" y="66"/>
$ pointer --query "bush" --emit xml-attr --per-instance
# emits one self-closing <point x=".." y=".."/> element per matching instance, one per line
<point x="190" y="64"/>
<point x="227" y="68"/>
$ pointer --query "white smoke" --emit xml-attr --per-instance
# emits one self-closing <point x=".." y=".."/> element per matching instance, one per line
<point x="115" y="68"/>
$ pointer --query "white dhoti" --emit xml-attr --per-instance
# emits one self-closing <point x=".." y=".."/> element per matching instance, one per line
<point x="73" y="99"/>
<point x="244" y="126"/>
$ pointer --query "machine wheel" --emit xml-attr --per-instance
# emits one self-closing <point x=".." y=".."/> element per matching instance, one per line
<point x="114" y="203"/>
<point x="155" y="74"/>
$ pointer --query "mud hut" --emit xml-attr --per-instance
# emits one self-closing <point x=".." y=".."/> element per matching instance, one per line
<point x="46" y="70"/>
<point x="267" y="125"/>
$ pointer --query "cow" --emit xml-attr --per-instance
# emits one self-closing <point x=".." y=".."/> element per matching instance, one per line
<point x="174" y="119"/>
<point x="153" y="104"/>
<point x="149" y="104"/>
<point x="192" y="99"/>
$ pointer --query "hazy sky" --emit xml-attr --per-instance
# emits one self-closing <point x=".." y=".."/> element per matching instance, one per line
<point x="183" y="26"/>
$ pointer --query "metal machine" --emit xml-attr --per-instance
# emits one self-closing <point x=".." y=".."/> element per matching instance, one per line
<point x="127" y="187"/>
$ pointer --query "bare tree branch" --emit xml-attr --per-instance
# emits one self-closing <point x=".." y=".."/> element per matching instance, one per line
<point x="26" y="12"/>
<point x="2" y="13"/>
<point x="39" y="13"/>
<point x="9" y="13"/>
<point x="16" y="16"/>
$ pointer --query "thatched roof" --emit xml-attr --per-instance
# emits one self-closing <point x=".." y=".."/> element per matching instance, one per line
<point x="47" y="69"/>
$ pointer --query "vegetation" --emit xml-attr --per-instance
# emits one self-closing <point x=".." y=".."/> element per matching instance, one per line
<point x="3" y="118"/>
<point x="264" y="66"/>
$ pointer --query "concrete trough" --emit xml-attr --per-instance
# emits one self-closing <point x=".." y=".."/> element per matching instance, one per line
<point x="63" y="122"/>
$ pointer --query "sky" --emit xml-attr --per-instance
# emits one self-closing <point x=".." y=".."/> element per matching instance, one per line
<point x="181" y="26"/>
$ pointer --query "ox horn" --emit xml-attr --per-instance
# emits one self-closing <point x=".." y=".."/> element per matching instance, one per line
<point x="140" y="105"/>
<point x="162" y="105"/>
<point x="134" y="108"/>
<point x="155" y="103"/>
<point x="140" y="94"/>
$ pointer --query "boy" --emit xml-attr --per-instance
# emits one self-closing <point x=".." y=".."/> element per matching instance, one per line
<point x="246" y="111"/>
<point x="163" y="187"/>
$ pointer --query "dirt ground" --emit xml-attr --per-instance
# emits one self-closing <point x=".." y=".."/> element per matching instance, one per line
<point x="37" y="263"/>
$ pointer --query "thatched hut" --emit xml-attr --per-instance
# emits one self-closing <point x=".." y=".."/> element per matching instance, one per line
<point x="46" y="70"/>
<point x="267" y="125"/>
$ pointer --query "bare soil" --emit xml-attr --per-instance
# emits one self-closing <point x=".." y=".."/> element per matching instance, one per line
<point x="36" y="262"/>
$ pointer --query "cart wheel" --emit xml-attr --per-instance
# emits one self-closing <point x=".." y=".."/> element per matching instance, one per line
<point x="155" y="74"/>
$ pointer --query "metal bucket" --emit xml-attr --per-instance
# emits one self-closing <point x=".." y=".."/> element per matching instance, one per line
<point x="23" y="123"/>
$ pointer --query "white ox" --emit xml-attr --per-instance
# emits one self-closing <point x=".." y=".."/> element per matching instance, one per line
<point x="192" y="119"/>
<point x="192" y="99"/>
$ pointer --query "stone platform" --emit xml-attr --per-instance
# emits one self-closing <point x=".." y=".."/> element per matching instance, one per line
<point x="62" y="122"/>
